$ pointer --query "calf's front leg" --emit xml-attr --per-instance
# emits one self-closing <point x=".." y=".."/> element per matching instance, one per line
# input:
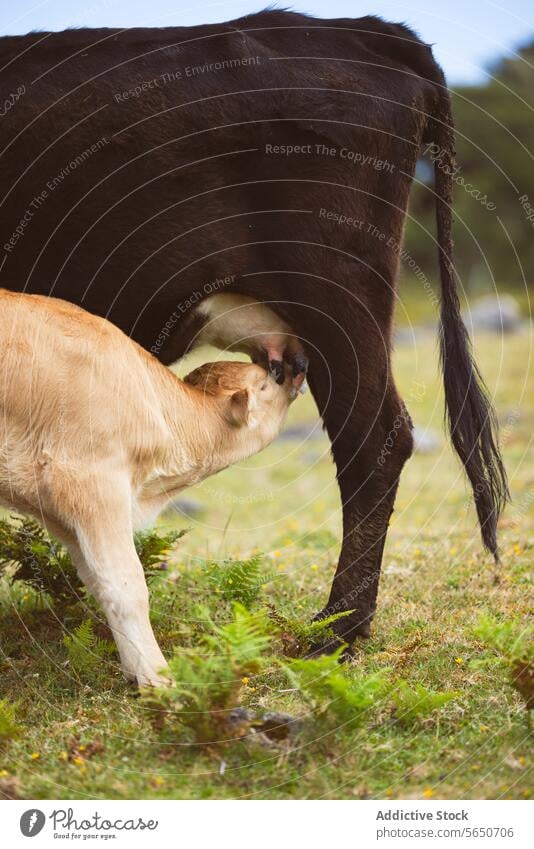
<point x="108" y="564"/>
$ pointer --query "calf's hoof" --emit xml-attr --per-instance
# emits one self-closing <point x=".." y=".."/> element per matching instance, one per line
<point x="148" y="679"/>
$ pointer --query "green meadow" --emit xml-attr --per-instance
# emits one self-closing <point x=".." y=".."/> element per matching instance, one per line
<point x="426" y="708"/>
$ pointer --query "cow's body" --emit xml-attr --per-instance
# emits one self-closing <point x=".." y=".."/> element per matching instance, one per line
<point x="137" y="203"/>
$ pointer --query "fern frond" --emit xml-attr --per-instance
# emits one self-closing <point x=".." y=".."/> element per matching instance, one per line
<point x="9" y="727"/>
<point x="415" y="701"/>
<point x="86" y="651"/>
<point x="154" y="548"/>
<point x="31" y="555"/>
<point x="333" y="692"/>
<point x="297" y="636"/>
<point x="239" y="580"/>
<point x="207" y="683"/>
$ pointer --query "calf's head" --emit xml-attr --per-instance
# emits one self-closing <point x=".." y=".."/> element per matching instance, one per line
<point x="246" y="395"/>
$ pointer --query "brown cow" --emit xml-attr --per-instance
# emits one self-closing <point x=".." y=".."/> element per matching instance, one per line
<point x="272" y="157"/>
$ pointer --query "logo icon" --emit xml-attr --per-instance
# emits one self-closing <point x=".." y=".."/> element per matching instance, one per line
<point x="32" y="822"/>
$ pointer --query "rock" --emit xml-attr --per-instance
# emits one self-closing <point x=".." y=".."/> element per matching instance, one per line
<point x="278" y="726"/>
<point x="270" y="727"/>
<point x="10" y="788"/>
<point x="310" y="458"/>
<point x="411" y="335"/>
<point x="404" y="336"/>
<point x="305" y="430"/>
<point x="494" y="313"/>
<point x="187" y="507"/>
<point x="425" y="441"/>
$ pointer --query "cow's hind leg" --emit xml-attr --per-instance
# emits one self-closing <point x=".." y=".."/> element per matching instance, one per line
<point x="371" y="436"/>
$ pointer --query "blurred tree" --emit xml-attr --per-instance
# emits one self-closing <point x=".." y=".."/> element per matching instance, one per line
<point x="494" y="241"/>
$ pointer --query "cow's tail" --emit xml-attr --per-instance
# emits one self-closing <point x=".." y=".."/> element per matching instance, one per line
<point x="470" y="416"/>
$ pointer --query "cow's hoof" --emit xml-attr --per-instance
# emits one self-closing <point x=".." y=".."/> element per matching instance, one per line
<point x="343" y="631"/>
<point x="329" y="646"/>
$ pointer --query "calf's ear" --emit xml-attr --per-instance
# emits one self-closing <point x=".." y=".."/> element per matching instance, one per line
<point x="240" y="407"/>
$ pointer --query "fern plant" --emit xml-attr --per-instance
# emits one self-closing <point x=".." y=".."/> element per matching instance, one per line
<point x="154" y="548"/>
<point x="335" y="694"/>
<point x="239" y="581"/>
<point x="414" y="701"/>
<point x="207" y="682"/>
<point x="299" y="637"/>
<point x="43" y="563"/>
<point x="9" y="727"/>
<point x="513" y="641"/>
<point x="86" y="651"/>
<point x="38" y="560"/>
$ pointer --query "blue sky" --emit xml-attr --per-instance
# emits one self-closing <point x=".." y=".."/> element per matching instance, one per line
<point x="467" y="34"/>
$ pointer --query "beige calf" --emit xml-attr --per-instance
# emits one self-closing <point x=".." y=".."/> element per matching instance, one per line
<point x="96" y="436"/>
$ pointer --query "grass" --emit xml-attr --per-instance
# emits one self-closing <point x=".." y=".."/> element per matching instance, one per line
<point x="90" y="737"/>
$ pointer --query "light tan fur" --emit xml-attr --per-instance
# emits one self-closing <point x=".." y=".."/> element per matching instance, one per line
<point x="96" y="436"/>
